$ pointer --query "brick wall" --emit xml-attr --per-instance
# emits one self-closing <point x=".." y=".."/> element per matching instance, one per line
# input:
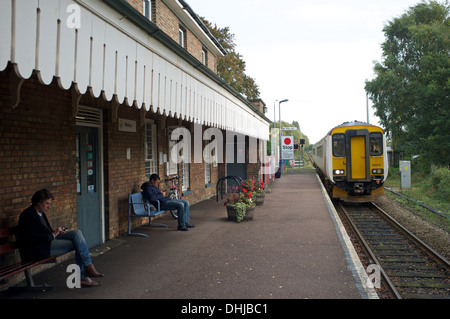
<point x="169" y="23"/>
<point x="122" y="175"/>
<point x="37" y="150"/>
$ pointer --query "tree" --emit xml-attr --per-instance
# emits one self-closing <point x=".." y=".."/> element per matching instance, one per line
<point x="411" y="86"/>
<point x="231" y="67"/>
<point x="297" y="134"/>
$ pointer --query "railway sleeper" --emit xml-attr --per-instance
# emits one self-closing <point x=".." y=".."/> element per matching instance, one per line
<point x="421" y="285"/>
<point x="409" y="260"/>
<point x="415" y="274"/>
<point x="423" y="296"/>
<point x="412" y="267"/>
<point x="395" y="253"/>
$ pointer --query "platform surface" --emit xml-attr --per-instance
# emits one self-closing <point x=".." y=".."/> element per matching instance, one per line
<point x="290" y="250"/>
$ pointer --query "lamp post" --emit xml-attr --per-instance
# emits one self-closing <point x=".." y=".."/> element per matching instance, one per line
<point x="274" y="148"/>
<point x="279" y="115"/>
<point x="367" y="105"/>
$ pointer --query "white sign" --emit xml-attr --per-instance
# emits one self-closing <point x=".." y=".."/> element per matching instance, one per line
<point x="127" y="125"/>
<point x="289" y="129"/>
<point x="287" y="147"/>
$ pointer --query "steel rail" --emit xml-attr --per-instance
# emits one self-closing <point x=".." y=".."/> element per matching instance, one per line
<point x="385" y="277"/>
<point x="435" y="255"/>
<point x="440" y="261"/>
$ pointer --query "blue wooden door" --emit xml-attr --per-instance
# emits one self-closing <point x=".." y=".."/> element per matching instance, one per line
<point x="88" y="185"/>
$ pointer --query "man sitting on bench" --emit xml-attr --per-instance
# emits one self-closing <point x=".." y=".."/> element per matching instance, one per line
<point x="151" y="193"/>
<point x="41" y="241"/>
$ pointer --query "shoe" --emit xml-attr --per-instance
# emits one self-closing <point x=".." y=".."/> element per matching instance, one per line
<point x="189" y="226"/>
<point x="182" y="228"/>
<point x="91" y="272"/>
<point x="88" y="282"/>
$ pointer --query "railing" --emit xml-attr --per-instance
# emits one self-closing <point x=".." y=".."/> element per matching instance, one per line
<point x="220" y="185"/>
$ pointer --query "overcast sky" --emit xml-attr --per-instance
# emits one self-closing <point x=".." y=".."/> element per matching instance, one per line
<point x="317" y="54"/>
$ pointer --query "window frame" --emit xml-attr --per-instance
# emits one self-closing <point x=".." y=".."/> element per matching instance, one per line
<point x="379" y="140"/>
<point x="182" y="37"/>
<point x="147" y="9"/>
<point x="204" y="57"/>
<point x="341" y="136"/>
<point x="150" y="162"/>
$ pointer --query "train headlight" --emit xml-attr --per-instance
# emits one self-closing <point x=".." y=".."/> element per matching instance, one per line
<point x="338" y="172"/>
<point x="378" y="171"/>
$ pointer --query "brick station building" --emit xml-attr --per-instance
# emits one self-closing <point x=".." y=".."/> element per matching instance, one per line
<point x="90" y="93"/>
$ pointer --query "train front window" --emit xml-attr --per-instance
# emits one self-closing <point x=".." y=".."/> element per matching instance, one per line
<point x="376" y="144"/>
<point x="339" y="145"/>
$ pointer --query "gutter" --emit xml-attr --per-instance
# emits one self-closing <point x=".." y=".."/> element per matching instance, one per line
<point x="202" y="25"/>
<point x="142" y="22"/>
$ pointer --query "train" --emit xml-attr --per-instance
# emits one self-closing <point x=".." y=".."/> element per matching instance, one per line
<point x="352" y="162"/>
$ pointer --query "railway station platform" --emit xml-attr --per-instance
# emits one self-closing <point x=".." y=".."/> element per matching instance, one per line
<point x="294" y="248"/>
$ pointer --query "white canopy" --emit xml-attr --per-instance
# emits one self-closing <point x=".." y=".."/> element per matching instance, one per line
<point x="104" y="51"/>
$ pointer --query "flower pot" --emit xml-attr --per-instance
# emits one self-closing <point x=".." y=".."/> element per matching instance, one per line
<point x="259" y="199"/>
<point x="249" y="211"/>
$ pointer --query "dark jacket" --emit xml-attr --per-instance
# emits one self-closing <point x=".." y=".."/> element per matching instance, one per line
<point x="34" y="237"/>
<point x="151" y="193"/>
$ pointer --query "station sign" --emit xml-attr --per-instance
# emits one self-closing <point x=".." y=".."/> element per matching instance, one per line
<point x="287" y="147"/>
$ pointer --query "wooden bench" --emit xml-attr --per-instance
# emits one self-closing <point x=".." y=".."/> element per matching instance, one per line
<point x="9" y="244"/>
<point x="138" y="208"/>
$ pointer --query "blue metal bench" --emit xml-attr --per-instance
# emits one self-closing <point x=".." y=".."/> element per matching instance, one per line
<point x="138" y="208"/>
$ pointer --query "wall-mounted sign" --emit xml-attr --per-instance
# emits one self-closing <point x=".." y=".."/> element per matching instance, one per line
<point x="127" y="125"/>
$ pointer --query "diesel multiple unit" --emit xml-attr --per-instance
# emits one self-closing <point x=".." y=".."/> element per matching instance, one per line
<point x="351" y="161"/>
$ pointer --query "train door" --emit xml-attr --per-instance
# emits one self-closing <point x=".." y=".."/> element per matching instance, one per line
<point x="358" y="164"/>
<point x="358" y="157"/>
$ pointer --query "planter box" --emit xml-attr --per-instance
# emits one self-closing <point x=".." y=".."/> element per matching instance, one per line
<point x="248" y="213"/>
<point x="259" y="199"/>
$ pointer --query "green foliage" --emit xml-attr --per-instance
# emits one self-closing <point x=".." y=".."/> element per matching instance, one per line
<point x="231" y="67"/>
<point x="298" y="134"/>
<point x="412" y="84"/>
<point x="240" y="208"/>
<point x="432" y="189"/>
<point x="440" y="182"/>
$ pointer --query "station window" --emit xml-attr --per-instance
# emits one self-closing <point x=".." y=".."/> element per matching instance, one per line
<point x="147" y="9"/>
<point x="204" y="56"/>
<point x="339" y="145"/>
<point x="151" y="165"/>
<point x="376" y="144"/>
<point x="182" y="37"/>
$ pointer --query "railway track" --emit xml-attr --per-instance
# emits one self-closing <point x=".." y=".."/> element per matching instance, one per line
<point x="408" y="268"/>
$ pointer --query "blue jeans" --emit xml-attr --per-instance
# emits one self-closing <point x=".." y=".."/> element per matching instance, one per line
<point x="180" y="205"/>
<point x="72" y="240"/>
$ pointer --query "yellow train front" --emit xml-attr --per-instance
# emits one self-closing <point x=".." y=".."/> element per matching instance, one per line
<point x="351" y="160"/>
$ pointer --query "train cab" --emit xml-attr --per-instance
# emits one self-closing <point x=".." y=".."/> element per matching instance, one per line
<point x="352" y="161"/>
